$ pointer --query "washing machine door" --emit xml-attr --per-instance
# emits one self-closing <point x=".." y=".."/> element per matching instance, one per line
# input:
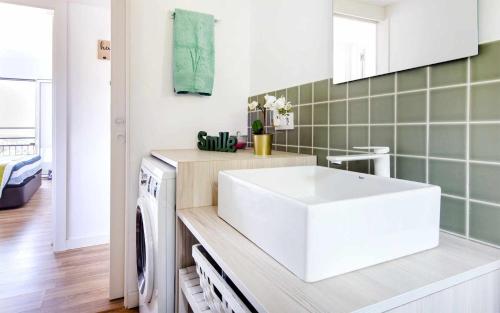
<point x="144" y="251"/>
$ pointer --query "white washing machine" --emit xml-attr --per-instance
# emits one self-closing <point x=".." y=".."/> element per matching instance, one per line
<point x="155" y="237"/>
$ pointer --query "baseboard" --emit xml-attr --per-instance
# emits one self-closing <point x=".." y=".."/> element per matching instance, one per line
<point x="132" y="299"/>
<point x="75" y="243"/>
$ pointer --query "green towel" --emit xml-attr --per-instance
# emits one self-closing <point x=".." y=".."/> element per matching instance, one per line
<point x="194" y="55"/>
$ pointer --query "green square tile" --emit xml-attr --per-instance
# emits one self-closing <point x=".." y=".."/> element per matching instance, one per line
<point x="412" y="107"/>
<point x="321" y="154"/>
<point x="261" y="99"/>
<point x="450" y="176"/>
<point x="448" y="104"/>
<point x="269" y="118"/>
<point x="305" y="150"/>
<point x="295" y="115"/>
<point x="447" y="141"/>
<point x="305" y="117"/>
<point x="449" y="73"/>
<point x="292" y="149"/>
<point x="358" y="136"/>
<point x="305" y="136"/>
<point x="382" y="109"/>
<point x="358" y="166"/>
<point x="281" y="93"/>
<point x="358" y="88"/>
<point x="411" y="140"/>
<point x="411" y="169"/>
<point x="485" y="66"/>
<point x="255" y="116"/>
<point x="485" y="102"/>
<point x="453" y="215"/>
<point x="343" y="165"/>
<point x="382" y="136"/>
<point x="485" y="142"/>
<point x="412" y="79"/>
<point x="320" y="137"/>
<point x="484" y="181"/>
<point x="338" y="92"/>
<point x="292" y="137"/>
<point x="484" y="221"/>
<point x="281" y="148"/>
<point x="321" y="91"/>
<point x="306" y="94"/>
<point x="320" y="114"/>
<point x="382" y="84"/>
<point x="280" y="137"/>
<point x="338" y="112"/>
<point x="358" y="111"/>
<point x="338" y="137"/>
<point x="292" y="95"/>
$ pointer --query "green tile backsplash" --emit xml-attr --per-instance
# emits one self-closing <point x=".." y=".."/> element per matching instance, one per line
<point x="441" y="122"/>
<point x="448" y="104"/>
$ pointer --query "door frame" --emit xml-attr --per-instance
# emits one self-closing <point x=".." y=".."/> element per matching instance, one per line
<point x="118" y="148"/>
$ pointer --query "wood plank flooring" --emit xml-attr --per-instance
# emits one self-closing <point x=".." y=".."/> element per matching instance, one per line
<point x="34" y="279"/>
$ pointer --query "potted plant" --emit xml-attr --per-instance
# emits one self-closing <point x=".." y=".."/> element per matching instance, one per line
<point x="262" y="142"/>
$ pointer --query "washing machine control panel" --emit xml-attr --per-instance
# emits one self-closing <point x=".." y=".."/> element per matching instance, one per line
<point x="148" y="183"/>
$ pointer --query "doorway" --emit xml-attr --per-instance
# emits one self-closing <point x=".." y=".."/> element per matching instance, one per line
<point x="77" y="151"/>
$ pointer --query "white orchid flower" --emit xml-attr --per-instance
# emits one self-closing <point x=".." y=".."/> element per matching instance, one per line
<point x="280" y="103"/>
<point x="270" y="100"/>
<point x="253" y="105"/>
<point x="288" y="106"/>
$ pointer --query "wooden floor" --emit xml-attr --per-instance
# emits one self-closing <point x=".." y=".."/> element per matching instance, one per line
<point x="34" y="279"/>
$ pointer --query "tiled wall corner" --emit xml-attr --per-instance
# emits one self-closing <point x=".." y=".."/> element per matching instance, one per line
<point x="442" y="123"/>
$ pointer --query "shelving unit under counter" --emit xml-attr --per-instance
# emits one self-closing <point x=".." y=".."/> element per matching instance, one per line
<point x="458" y="276"/>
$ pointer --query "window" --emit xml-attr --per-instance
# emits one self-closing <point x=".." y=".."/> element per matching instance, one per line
<point x="355" y="48"/>
<point x="18" y="111"/>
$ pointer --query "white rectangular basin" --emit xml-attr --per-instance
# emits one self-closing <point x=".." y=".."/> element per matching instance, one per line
<point x="321" y="222"/>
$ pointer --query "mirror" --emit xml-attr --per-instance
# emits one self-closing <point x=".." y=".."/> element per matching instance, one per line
<point x="375" y="37"/>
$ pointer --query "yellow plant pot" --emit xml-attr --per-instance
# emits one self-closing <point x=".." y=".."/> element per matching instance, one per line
<point x="262" y="144"/>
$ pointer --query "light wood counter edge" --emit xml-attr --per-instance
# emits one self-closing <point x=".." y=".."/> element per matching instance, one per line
<point x="275" y="289"/>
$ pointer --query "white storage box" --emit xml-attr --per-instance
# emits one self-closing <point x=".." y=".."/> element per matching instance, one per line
<point x="216" y="291"/>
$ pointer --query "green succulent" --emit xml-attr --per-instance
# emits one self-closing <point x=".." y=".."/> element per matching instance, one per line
<point x="257" y="127"/>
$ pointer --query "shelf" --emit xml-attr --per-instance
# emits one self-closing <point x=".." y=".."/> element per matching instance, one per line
<point x="272" y="288"/>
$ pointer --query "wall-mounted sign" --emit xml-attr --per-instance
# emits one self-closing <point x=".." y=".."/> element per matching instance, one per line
<point x="104" y="50"/>
<point x="223" y="143"/>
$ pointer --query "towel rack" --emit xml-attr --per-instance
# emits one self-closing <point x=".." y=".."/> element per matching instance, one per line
<point x="172" y="16"/>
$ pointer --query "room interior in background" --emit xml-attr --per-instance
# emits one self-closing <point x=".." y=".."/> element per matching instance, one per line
<point x="54" y="144"/>
<point x="259" y="156"/>
<point x="26" y="106"/>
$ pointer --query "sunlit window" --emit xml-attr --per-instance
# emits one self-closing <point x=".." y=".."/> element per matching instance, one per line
<point x="355" y="48"/>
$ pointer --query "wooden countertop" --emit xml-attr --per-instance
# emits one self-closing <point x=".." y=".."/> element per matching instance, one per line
<point x="270" y="287"/>
<point x="174" y="157"/>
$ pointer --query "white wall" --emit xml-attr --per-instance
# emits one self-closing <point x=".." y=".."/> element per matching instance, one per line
<point x="88" y="126"/>
<point x="291" y="43"/>
<point x="160" y="119"/>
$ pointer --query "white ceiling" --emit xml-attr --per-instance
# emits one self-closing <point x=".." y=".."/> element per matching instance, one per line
<point x="381" y="3"/>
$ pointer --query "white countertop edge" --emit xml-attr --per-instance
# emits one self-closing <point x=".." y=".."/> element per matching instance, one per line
<point x="164" y="158"/>
<point x="430" y="289"/>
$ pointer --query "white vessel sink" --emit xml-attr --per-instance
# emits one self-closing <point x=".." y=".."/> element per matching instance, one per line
<point x="321" y="222"/>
